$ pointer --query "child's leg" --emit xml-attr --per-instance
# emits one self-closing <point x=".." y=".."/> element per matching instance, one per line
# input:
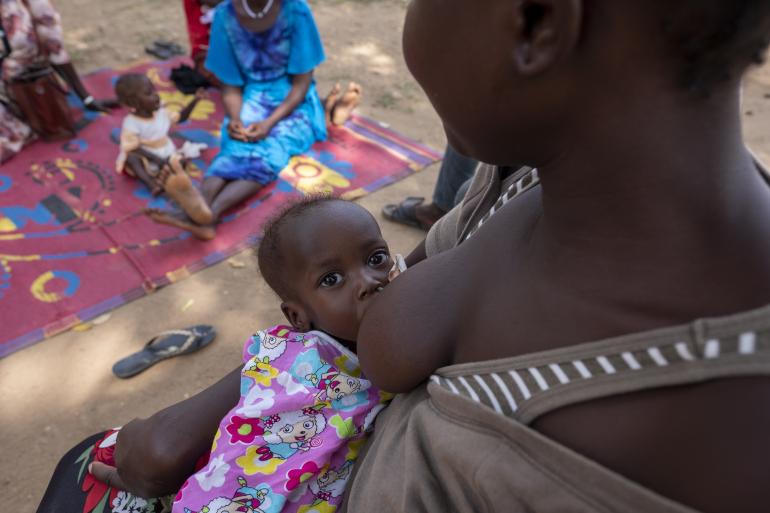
<point x="180" y="188"/>
<point x="135" y="165"/>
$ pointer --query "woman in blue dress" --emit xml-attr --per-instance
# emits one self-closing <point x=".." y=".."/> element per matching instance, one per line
<point x="264" y="53"/>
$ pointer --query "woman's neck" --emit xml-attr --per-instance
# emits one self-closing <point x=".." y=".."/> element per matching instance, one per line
<point x="653" y="176"/>
<point x="679" y="208"/>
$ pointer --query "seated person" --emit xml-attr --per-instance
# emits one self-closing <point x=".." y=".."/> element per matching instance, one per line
<point x="146" y="150"/>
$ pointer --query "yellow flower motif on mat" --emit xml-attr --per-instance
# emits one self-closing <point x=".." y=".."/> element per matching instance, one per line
<point x="309" y="176"/>
<point x="216" y="437"/>
<point x="6" y="225"/>
<point x="175" y="101"/>
<point x="321" y="507"/>
<point x="354" y="194"/>
<point x="251" y="464"/>
<point x="193" y="170"/>
<point x="262" y="373"/>
<point x="344" y="364"/>
<point x="157" y="79"/>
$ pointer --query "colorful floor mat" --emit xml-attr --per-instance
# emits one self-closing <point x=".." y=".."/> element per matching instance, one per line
<point x="73" y="241"/>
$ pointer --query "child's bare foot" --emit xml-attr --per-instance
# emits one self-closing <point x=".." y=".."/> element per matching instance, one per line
<point x="345" y="106"/>
<point x="330" y="101"/>
<point x="180" y="188"/>
<point x="180" y="220"/>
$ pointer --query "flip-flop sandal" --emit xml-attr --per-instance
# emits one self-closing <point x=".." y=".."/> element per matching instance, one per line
<point x="159" y="52"/>
<point x="404" y="212"/>
<point x="165" y="345"/>
<point x="170" y="46"/>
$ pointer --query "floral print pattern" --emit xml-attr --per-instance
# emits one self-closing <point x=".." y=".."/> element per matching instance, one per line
<point x="244" y="430"/>
<point x="291" y="441"/>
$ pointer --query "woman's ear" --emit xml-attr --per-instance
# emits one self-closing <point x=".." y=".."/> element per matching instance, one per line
<point x="296" y="315"/>
<point x="545" y="31"/>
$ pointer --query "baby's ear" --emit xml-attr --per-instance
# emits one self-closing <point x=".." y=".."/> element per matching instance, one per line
<point x="296" y="315"/>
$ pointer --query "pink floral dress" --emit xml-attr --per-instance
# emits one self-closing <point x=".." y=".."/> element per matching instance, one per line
<point x="291" y="442"/>
<point x="25" y="24"/>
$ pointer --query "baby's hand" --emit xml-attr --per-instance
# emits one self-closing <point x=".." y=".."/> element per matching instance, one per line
<point x="399" y="266"/>
<point x="201" y="93"/>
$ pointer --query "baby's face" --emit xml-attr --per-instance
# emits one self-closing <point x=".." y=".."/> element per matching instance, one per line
<point x="145" y="99"/>
<point x="338" y="263"/>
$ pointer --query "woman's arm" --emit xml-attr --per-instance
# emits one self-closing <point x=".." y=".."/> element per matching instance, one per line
<point x="417" y="255"/>
<point x="232" y="101"/>
<point x="154" y="456"/>
<point x="299" y="87"/>
<point x="184" y="114"/>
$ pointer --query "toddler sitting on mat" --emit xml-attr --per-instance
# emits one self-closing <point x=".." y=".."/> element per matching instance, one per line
<point x="148" y="153"/>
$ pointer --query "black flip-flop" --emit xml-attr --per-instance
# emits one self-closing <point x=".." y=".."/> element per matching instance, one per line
<point x="164" y="50"/>
<point x="165" y="345"/>
<point x="404" y="212"/>
<point x="156" y="51"/>
<point x="170" y="46"/>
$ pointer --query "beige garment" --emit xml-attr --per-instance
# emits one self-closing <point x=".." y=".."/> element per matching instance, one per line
<point x="487" y="190"/>
<point x="462" y="443"/>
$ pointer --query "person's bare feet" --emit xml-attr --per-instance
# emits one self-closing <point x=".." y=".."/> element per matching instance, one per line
<point x="331" y="101"/>
<point x="180" y="188"/>
<point x="179" y="220"/>
<point x="345" y="105"/>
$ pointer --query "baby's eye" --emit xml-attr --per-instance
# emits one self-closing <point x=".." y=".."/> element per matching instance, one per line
<point x="331" y="279"/>
<point x="378" y="258"/>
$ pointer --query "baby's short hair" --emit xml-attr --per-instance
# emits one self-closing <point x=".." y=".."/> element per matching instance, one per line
<point x="270" y="255"/>
<point x="126" y="86"/>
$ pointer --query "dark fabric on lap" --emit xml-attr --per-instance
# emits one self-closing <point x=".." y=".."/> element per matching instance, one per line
<point x="63" y="493"/>
<point x="73" y="490"/>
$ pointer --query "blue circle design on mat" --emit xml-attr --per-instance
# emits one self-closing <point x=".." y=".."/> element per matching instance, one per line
<point x="72" y="279"/>
<point x="5" y="183"/>
<point x="75" y="146"/>
<point x="38" y="287"/>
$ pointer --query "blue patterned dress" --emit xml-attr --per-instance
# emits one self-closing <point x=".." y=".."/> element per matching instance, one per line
<point x="263" y="64"/>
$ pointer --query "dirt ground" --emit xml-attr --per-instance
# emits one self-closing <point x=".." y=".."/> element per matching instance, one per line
<point x="57" y="392"/>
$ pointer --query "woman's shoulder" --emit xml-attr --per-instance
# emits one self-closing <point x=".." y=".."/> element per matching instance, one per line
<point x="299" y="8"/>
<point x="222" y="10"/>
